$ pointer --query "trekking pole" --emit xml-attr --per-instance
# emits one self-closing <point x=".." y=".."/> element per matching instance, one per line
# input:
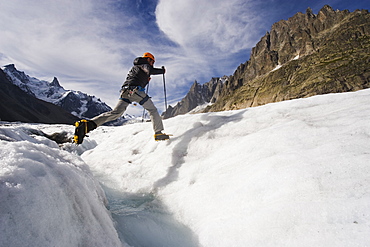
<point x="147" y="90"/>
<point x="164" y="87"/>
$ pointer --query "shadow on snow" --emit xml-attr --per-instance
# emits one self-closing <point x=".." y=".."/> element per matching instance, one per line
<point x="180" y="150"/>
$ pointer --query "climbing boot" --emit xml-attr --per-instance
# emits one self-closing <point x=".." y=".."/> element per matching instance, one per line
<point x="159" y="136"/>
<point x="82" y="128"/>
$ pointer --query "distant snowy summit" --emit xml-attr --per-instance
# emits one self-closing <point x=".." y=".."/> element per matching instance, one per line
<point x="79" y="104"/>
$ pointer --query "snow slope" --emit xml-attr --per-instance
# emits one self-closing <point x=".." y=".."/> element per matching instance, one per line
<point x="293" y="173"/>
<point x="48" y="196"/>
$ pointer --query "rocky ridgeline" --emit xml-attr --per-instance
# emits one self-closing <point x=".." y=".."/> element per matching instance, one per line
<point x="18" y="105"/>
<point x="77" y="103"/>
<point x="306" y="55"/>
<point x="198" y="95"/>
<point x="303" y="56"/>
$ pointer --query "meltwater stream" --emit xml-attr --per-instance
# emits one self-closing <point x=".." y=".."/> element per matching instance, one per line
<point x="143" y="221"/>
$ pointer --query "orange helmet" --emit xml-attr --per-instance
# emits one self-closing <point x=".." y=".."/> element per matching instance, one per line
<point x="149" y="55"/>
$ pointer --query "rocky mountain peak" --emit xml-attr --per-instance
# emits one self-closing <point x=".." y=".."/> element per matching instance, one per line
<point x="10" y="67"/>
<point x="290" y="38"/>
<point x="18" y="105"/>
<point x="19" y="75"/>
<point x="305" y="55"/>
<point x="55" y="83"/>
<point x="198" y="95"/>
<point x="77" y="103"/>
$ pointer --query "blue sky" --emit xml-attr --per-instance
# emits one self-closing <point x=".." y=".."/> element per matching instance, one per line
<point x="89" y="45"/>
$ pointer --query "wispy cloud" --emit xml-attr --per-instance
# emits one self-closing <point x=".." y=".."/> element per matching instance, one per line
<point x="90" y="44"/>
<point x="217" y="25"/>
<point x="73" y="40"/>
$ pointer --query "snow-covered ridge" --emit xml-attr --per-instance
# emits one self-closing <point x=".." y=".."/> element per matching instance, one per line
<point x="78" y="103"/>
<point x="293" y="173"/>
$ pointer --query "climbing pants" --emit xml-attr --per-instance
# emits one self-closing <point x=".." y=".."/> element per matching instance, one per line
<point x="126" y="98"/>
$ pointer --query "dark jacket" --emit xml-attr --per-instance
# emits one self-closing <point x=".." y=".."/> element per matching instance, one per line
<point x="139" y="74"/>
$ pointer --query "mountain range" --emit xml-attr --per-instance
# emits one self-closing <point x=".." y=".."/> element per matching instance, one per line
<point x="79" y="104"/>
<point x="306" y="55"/>
<point x="17" y="105"/>
<point x="198" y="97"/>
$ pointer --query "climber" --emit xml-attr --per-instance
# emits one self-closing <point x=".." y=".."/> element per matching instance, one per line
<point x="133" y="90"/>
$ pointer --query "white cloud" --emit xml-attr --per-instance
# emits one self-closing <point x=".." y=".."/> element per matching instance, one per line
<point x="48" y="33"/>
<point x="209" y="35"/>
<point x="72" y="40"/>
<point x="209" y="25"/>
<point x="90" y="45"/>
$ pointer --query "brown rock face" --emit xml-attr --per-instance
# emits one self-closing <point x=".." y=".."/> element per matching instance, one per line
<point x="303" y="56"/>
<point x="197" y="95"/>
